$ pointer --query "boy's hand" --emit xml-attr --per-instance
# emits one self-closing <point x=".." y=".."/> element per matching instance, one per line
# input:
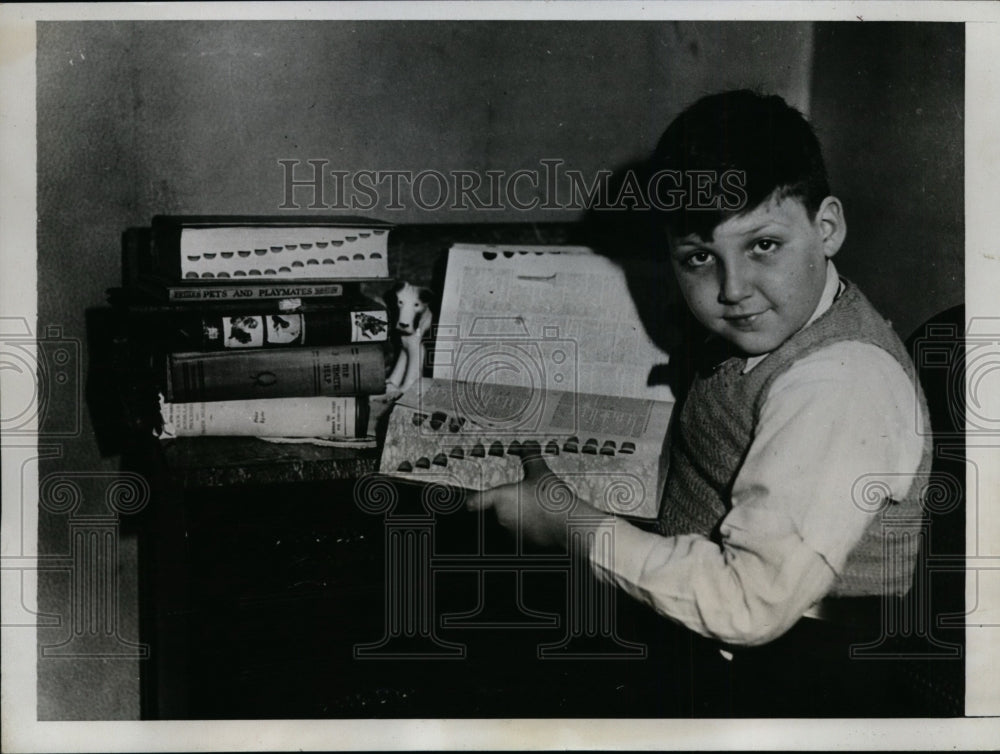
<point x="538" y="506"/>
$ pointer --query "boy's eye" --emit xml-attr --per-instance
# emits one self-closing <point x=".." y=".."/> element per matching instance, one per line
<point x="698" y="259"/>
<point x="765" y="245"/>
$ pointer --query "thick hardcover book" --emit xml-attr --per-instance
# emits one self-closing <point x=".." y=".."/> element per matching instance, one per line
<point x="275" y="373"/>
<point x="209" y="330"/>
<point x="328" y="417"/>
<point x="286" y="248"/>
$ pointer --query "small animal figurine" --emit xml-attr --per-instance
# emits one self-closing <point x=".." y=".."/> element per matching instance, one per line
<point x="413" y="323"/>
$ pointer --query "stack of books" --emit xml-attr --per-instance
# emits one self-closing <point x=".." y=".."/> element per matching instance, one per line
<point x="257" y="326"/>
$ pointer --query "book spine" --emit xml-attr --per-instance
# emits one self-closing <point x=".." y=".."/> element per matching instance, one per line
<point x="333" y="418"/>
<point x="275" y="373"/>
<point x="147" y="295"/>
<point x="216" y="332"/>
<point x="163" y="252"/>
<point x="235" y="291"/>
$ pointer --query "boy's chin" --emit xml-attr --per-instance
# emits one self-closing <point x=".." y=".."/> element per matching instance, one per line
<point x="754" y="343"/>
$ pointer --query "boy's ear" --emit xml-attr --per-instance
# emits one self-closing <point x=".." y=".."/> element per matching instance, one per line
<point x="832" y="225"/>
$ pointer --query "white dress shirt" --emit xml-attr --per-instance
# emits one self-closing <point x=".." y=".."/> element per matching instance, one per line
<point x="842" y="412"/>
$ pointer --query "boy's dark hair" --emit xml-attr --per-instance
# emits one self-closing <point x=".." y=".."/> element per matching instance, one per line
<point x="769" y="144"/>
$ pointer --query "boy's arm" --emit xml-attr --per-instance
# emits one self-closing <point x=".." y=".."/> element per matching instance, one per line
<point x="745" y="593"/>
<point x="836" y="417"/>
<point x="842" y="413"/>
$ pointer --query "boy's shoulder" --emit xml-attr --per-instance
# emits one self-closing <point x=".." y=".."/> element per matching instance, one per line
<point x="851" y="340"/>
<point x="849" y="346"/>
<point x="851" y="317"/>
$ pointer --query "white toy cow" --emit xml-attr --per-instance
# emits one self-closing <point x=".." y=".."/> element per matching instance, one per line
<point x="412" y="326"/>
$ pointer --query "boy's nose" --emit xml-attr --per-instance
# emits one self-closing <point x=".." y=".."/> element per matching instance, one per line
<point x="735" y="284"/>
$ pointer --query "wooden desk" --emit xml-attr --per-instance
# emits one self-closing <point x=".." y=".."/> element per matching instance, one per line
<point x="209" y="496"/>
<point x="268" y="578"/>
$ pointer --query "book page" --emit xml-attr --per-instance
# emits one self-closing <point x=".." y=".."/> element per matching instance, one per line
<point x="522" y="411"/>
<point x="559" y="317"/>
<point x="607" y="450"/>
<point x="287" y="253"/>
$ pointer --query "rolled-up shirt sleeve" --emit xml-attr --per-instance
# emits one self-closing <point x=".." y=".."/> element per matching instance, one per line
<point x="835" y="421"/>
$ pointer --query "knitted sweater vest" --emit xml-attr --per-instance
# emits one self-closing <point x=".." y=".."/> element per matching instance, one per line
<point x="716" y="426"/>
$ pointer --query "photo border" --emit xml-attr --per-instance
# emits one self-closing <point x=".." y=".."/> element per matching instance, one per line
<point x="18" y="195"/>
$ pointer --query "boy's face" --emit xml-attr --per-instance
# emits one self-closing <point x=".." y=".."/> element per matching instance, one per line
<point x="760" y="277"/>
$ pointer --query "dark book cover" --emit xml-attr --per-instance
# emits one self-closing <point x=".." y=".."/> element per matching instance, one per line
<point x="275" y="373"/>
<point x="178" y="329"/>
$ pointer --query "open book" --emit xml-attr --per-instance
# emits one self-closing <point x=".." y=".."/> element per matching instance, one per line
<point x="542" y="344"/>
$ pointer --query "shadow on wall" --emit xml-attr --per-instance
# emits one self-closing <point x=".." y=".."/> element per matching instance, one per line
<point x="620" y="227"/>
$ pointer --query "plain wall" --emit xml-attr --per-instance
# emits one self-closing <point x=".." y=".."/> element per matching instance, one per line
<point x="888" y="102"/>
<point x="138" y="119"/>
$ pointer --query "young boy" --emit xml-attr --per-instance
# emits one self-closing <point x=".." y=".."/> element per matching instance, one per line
<point x="790" y="498"/>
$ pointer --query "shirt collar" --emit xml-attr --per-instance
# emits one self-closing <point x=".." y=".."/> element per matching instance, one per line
<point x="831" y="290"/>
